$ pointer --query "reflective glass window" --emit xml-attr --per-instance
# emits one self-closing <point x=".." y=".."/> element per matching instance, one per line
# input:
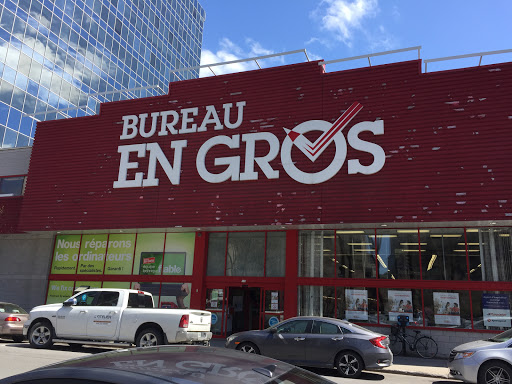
<point x="355" y="253"/>
<point x="7" y="20"/>
<point x="316" y="254"/>
<point x="394" y="302"/>
<point x="216" y="254"/>
<point x="276" y="254"/>
<point x="443" y="255"/>
<point x="491" y="310"/>
<point x="11" y="186"/>
<point x="245" y="254"/>
<point x="398" y="254"/>
<point x="490" y="254"/>
<point x="446" y="309"/>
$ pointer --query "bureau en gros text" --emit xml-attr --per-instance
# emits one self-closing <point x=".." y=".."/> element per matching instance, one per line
<point x="183" y="122"/>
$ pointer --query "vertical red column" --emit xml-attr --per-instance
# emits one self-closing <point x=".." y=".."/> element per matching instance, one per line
<point x="291" y="274"/>
<point x="198" y="290"/>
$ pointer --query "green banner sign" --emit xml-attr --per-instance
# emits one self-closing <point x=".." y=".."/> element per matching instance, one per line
<point x="92" y="254"/>
<point x="119" y="259"/>
<point x="65" y="256"/>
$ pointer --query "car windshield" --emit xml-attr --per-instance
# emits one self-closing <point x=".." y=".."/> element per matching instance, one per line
<point x="11" y="308"/>
<point x="504" y="336"/>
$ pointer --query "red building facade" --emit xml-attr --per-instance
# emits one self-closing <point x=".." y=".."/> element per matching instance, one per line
<point x="358" y="194"/>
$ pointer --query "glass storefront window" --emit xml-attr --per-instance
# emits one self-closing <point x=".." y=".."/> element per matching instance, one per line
<point x="245" y="254"/>
<point x="276" y="254"/>
<point x="214" y="299"/>
<point x="491" y="310"/>
<point x="355" y="253"/>
<point x="149" y="254"/>
<point x="490" y="254"/>
<point x="358" y="305"/>
<point x="443" y="254"/>
<point x="316" y="254"/>
<point x="446" y="309"/>
<point x="395" y="302"/>
<point x="398" y="253"/>
<point x="216" y="254"/>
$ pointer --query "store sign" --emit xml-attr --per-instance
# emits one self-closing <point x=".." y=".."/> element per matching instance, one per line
<point x="183" y="122"/>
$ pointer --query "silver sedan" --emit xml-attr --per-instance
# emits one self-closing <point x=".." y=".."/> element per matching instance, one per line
<point x="483" y="361"/>
<point x="318" y="342"/>
<point x="12" y="318"/>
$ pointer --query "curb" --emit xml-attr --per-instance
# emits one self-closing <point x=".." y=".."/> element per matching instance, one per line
<point x="411" y="373"/>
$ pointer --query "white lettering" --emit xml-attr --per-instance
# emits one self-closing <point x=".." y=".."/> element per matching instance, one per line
<point x="129" y="123"/>
<point x="186" y="120"/>
<point x="227" y="108"/>
<point x="263" y="161"/>
<point x="168" y="126"/>
<point x="379" y="157"/>
<point x="233" y="163"/>
<point x="125" y="165"/>
<point x="156" y="155"/>
<point x="211" y="117"/>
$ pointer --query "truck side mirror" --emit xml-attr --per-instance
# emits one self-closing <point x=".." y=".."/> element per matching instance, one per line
<point x="70" y="302"/>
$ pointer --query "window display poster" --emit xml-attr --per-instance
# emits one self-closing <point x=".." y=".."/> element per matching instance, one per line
<point x="147" y="244"/>
<point x="175" y="295"/>
<point x="496" y="310"/>
<point x="59" y="291"/>
<point x="274" y="301"/>
<point x="446" y="308"/>
<point x="176" y="259"/>
<point x="120" y="250"/>
<point x="92" y="254"/>
<point x="356" y="304"/>
<point x="65" y="256"/>
<point x="400" y="303"/>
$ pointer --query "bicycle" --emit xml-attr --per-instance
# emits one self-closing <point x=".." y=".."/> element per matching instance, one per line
<point x="425" y="346"/>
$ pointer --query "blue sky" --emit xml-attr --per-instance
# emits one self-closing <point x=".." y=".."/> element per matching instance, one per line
<point x="335" y="29"/>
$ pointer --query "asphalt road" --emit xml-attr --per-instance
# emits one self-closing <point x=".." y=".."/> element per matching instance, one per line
<point x="20" y="357"/>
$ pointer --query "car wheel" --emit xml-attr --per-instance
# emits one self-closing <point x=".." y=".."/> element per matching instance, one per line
<point x="149" y="337"/>
<point x="494" y="372"/>
<point x="349" y="364"/>
<point x="41" y="335"/>
<point x="248" y="348"/>
<point x="18" y="339"/>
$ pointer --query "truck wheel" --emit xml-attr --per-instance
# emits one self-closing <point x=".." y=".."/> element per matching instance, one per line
<point x="41" y="335"/>
<point x="149" y="337"/>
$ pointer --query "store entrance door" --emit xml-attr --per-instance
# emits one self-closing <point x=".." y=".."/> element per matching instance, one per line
<point x="243" y="312"/>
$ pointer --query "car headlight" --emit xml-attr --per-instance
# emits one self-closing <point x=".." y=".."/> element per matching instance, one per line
<point x="463" y="355"/>
<point x="230" y="338"/>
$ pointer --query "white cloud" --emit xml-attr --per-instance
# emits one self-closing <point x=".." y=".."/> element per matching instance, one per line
<point x="229" y="51"/>
<point x="345" y="17"/>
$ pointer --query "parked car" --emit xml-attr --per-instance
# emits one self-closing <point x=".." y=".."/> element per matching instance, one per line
<point x="12" y="318"/>
<point x="318" y="342"/>
<point x="105" y="315"/>
<point x="483" y="361"/>
<point x="170" y="364"/>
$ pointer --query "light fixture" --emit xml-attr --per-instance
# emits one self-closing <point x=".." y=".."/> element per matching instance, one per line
<point x="446" y="235"/>
<point x="471" y="244"/>
<point x="364" y="250"/>
<point x="471" y="230"/>
<point x="412" y="230"/>
<point x="431" y="262"/>
<point x="413" y="250"/>
<point x="349" y="232"/>
<point x="359" y="244"/>
<point x="504" y="234"/>
<point x="412" y="244"/>
<point x="381" y="261"/>
<point x="386" y="236"/>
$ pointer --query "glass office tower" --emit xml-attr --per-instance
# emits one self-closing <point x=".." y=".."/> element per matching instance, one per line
<point x="72" y="55"/>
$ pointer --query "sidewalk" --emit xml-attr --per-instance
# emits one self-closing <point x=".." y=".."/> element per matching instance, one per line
<point x="405" y="365"/>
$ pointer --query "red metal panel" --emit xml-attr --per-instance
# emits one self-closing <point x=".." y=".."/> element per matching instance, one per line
<point x="446" y="140"/>
<point x="10" y="209"/>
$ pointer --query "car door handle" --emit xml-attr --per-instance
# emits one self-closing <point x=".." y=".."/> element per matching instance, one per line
<point x="337" y="338"/>
<point x="299" y="338"/>
<point x="83" y="311"/>
<point x="112" y="312"/>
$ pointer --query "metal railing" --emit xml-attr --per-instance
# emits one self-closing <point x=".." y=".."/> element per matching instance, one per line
<point x="370" y="55"/>
<point x="481" y="54"/>
<point x="255" y="59"/>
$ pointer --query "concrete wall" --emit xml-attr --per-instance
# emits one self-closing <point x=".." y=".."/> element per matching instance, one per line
<point x="446" y="340"/>
<point x="25" y="264"/>
<point x="14" y="161"/>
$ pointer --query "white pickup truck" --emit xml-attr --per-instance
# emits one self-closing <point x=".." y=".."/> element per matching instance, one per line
<point x="115" y="316"/>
